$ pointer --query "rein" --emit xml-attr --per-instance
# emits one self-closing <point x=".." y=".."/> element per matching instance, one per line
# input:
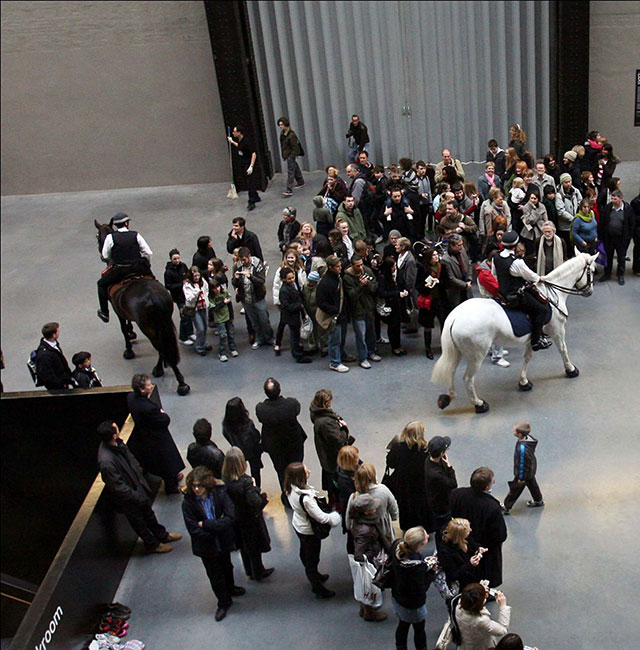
<point x="572" y="291"/>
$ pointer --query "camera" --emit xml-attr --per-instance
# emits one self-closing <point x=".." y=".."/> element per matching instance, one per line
<point x="368" y="277"/>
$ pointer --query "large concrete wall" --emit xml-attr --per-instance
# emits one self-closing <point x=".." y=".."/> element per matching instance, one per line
<point x="101" y="95"/>
<point x="614" y="57"/>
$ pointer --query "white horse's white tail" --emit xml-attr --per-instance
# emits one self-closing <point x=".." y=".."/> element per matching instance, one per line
<point x="446" y="365"/>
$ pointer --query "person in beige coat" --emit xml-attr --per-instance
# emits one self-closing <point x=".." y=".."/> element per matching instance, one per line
<point x="478" y="630"/>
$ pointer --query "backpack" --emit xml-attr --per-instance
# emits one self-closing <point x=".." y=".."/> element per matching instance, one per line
<point x="32" y="366"/>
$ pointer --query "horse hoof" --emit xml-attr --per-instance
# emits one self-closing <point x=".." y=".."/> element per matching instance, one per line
<point x="572" y="373"/>
<point x="525" y="387"/>
<point x="443" y="401"/>
<point x="128" y="354"/>
<point x="183" y="389"/>
<point x="482" y="408"/>
<point x="157" y="372"/>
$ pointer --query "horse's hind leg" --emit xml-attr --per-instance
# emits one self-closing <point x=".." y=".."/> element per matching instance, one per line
<point x="126" y="328"/>
<point x="158" y="369"/>
<point x="473" y="365"/>
<point x="523" y="383"/>
<point x="183" y="387"/>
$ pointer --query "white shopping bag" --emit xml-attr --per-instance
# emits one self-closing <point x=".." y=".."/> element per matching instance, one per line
<point x="364" y="591"/>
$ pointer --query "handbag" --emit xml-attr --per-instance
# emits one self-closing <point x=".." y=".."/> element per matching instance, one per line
<point x="424" y="302"/>
<point x="306" y="328"/>
<point x="189" y="312"/>
<point x="384" y="574"/>
<point x="321" y="531"/>
<point x="446" y="636"/>
<point x="382" y="309"/>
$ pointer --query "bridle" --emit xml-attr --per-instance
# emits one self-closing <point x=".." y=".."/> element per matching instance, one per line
<point x="574" y="291"/>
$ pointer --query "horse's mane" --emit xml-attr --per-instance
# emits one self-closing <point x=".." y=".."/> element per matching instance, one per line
<point x="566" y="269"/>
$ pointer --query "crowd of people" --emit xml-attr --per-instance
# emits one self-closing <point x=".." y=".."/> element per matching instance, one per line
<point x="387" y="521"/>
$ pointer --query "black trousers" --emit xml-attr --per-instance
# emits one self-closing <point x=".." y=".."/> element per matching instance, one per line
<point x="252" y="563"/>
<point x="143" y="521"/>
<point x="252" y="186"/>
<point x="536" y="311"/>
<point x="419" y="634"/>
<point x="280" y="459"/>
<point x="116" y="274"/>
<point x="220" y="573"/>
<point x="617" y="244"/>
<point x="516" y="488"/>
<point x="636" y="250"/>
<point x="310" y="558"/>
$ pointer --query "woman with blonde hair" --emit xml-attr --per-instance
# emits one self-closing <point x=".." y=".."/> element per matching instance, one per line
<point x="459" y="555"/>
<point x="252" y="536"/>
<point x="407" y="454"/>
<point x="412" y="576"/>
<point x="348" y="463"/>
<point x="366" y="482"/>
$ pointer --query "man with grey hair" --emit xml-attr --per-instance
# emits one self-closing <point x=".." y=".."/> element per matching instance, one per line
<point x="616" y="228"/>
<point x="550" y="250"/>
<point x="358" y="184"/>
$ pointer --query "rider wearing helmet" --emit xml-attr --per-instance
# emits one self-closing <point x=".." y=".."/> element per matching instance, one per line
<point x="513" y="276"/>
<point x="127" y="253"/>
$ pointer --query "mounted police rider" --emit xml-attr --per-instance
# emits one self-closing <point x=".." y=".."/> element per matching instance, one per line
<point x="127" y="253"/>
<point x="513" y="277"/>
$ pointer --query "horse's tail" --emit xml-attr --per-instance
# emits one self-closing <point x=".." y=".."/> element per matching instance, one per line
<point x="449" y="359"/>
<point x="165" y="331"/>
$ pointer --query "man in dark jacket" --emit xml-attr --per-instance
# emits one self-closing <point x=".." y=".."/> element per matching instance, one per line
<point x="455" y="277"/>
<point x="358" y="137"/>
<point x="128" y="490"/>
<point x="241" y="237"/>
<point x="617" y="223"/>
<point x="291" y="148"/>
<point x="53" y="369"/>
<point x="524" y="469"/>
<point x="440" y="480"/>
<point x="282" y="435"/>
<point x="635" y="206"/>
<point x="487" y="523"/>
<point x="361" y="288"/>
<point x="288" y="228"/>
<point x="331" y="312"/>
<point x="204" y="451"/>
<point x="151" y="442"/>
<point x="174" y="276"/>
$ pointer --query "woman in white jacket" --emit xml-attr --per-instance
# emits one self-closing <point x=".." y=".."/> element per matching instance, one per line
<point x="478" y="630"/>
<point x="196" y="297"/>
<point x="299" y="493"/>
<point x="366" y="483"/>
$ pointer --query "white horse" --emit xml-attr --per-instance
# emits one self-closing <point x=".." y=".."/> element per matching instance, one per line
<point x="475" y="324"/>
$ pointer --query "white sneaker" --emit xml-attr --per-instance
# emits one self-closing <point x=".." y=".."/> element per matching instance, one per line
<point x="340" y="368"/>
<point x="365" y="364"/>
<point x="234" y="353"/>
<point x="505" y="353"/>
<point x="187" y="342"/>
<point x="223" y="358"/>
<point x="242" y="310"/>
<point x="382" y="340"/>
<point x="375" y="357"/>
<point x="503" y="363"/>
<point x="193" y="337"/>
<point x="255" y="345"/>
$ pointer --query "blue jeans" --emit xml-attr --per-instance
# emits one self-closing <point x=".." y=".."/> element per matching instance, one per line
<point x="353" y="151"/>
<point x="259" y="317"/>
<point x="335" y="343"/>
<point x="365" y="337"/>
<point x="226" y="334"/>
<point x="293" y="173"/>
<point x="186" y="325"/>
<point x="200" y="323"/>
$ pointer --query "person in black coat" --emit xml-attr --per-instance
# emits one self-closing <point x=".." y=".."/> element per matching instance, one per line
<point x="84" y="375"/>
<point x="128" y="491"/>
<point x="202" y="255"/>
<point x="252" y="536"/>
<point x="53" y="369"/>
<point x="282" y="435"/>
<point x="406" y="455"/>
<point x="151" y="442"/>
<point x="292" y="312"/>
<point x="239" y="431"/>
<point x="175" y="273"/>
<point x="458" y="555"/>
<point x="204" y="451"/>
<point x="617" y="223"/>
<point x="240" y="237"/>
<point x="209" y="517"/>
<point x="393" y="299"/>
<point x="439" y="479"/>
<point x="487" y="523"/>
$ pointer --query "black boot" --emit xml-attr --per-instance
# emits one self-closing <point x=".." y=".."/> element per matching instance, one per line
<point x="427" y="344"/>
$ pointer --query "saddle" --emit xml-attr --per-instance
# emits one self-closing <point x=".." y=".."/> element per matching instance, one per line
<point x="520" y="323"/>
<point x="118" y="286"/>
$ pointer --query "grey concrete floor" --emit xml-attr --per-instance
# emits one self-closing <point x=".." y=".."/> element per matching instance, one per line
<point x="571" y="571"/>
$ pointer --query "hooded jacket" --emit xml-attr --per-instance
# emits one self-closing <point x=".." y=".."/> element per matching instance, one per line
<point x="524" y="459"/>
<point x="354" y="218"/>
<point x="361" y="297"/>
<point x="329" y="436"/>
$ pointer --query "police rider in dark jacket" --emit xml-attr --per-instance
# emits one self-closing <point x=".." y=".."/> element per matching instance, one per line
<point x="513" y="275"/>
<point x="127" y="253"/>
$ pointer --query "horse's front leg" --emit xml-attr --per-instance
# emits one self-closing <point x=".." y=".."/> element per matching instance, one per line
<point x="523" y="383"/>
<point x="158" y="369"/>
<point x="569" y="369"/>
<point x="473" y="365"/>
<point x="126" y="328"/>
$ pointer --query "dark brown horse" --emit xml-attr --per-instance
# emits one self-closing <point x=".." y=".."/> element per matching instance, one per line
<point x="146" y="302"/>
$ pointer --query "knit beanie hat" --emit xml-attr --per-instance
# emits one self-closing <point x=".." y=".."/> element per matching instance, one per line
<point x="571" y="155"/>
<point x="314" y="276"/>
<point x="395" y="233"/>
<point x="565" y="177"/>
